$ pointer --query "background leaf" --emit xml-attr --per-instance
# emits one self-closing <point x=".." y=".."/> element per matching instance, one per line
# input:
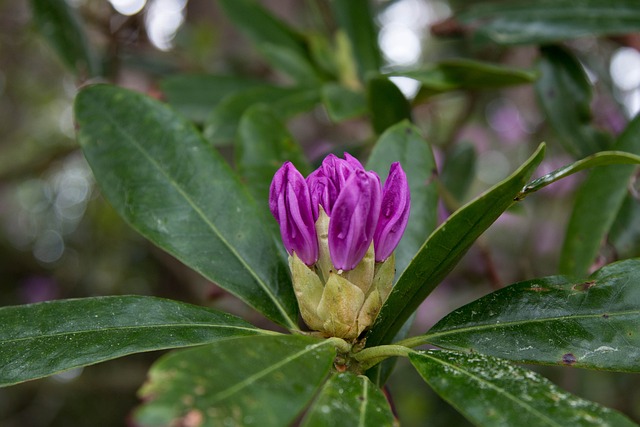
<point x="459" y="170"/>
<point x="387" y="104"/>
<point x="343" y="103"/>
<point x="456" y="74"/>
<point x="356" y="19"/>
<point x="564" y="93"/>
<point x="624" y="234"/>
<point x="590" y="323"/>
<point x="262" y="146"/>
<point x="349" y="400"/>
<point x="403" y="143"/>
<point x="545" y="21"/>
<point x="596" y="206"/>
<point x="248" y="382"/>
<point x="444" y="248"/>
<point x="61" y="27"/>
<point x="175" y="190"/>
<point x="490" y="391"/>
<point x="42" y="339"/>
<point x="196" y="95"/>
<point x="222" y="123"/>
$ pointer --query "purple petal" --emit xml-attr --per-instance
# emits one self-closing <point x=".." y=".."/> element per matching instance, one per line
<point x="394" y="214"/>
<point x="355" y="163"/>
<point x="290" y="204"/>
<point x="354" y="218"/>
<point x="323" y="192"/>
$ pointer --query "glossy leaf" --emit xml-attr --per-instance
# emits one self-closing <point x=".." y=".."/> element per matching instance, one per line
<point x="387" y="104"/>
<point x="349" y="400"/>
<point x="255" y="381"/>
<point x="60" y="26"/>
<point x="282" y="45"/>
<point x="490" y="392"/>
<point x="592" y="323"/>
<point x="42" y="339"/>
<point x="596" y="206"/>
<point x="456" y="74"/>
<point x="444" y="248"/>
<point x="196" y="95"/>
<point x="564" y="93"/>
<point x="222" y="123"/>
<point x="602" y="158"/>
<point x="545" y="21"/>
<point x="403" y="143"/>
<point x="262" y="146"/>
<point x="174" y="189"/>
<point x="342" y="103"/>
<point x="356" y="19"/>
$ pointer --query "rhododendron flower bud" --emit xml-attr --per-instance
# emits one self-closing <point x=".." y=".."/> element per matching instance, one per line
<point x="290" y="204"/>
<point x="340" y="227"/>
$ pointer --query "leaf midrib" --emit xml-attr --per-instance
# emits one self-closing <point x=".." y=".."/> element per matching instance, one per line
<point x="496" y="388"/>
<point x="202" y="216"/>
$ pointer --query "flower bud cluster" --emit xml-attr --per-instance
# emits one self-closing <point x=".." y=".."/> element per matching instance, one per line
<point x="340" y="227"/>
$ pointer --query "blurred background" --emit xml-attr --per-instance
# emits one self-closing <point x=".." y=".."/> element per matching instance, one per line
<point x="60" y="239"/>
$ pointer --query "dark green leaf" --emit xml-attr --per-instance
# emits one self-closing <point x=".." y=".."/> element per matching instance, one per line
<point x="42" y="339"/>
<point x="403" y="143"/>
<point x="177" y="191"/>
<point x="564" y="93"/>
<point x="602" y="158"/>
<point x="283" y="46"/>
<point x="444" y="248"/>
<point x="349" y="400"/>
<point x="60" y="25"/>
<point x="624" y="234"/>
<point x="387" y="104"/>
<point x="222" y="124"/>
<point x="356" y="19"/>
<point x="262" y="146"/>
<point x="255" y="381"/>
<point x="458" y="171"/>
<point x="596" y="207"/>
<point x="492" y="392"/>
<point x="197" y="95"/>
<point x="545" y="21"/>
<point x="592" y="323"/>
<point x="456" y="74"/>
<point x="342" y="103"/>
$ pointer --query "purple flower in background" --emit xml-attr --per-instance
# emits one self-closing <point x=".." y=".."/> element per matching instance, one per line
<point x="360" y="210"/>
<point x="290" y="204"/>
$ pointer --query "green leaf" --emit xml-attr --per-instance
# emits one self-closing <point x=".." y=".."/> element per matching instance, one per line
<point x="356" y="20"/>
<point x="349" y="400"/>
<point x="403" y="143"/>
<point x="342" y="103"/>
<point x="60" y="25"/>
<point x="458" y="171"/>
<point x="177" y="191"/>
<point x="545" y="21"/>
<point x="602" y="158"/>
<point x="444" y="248"/>
<point x="624" y="234"/>
<point x="590" y="323"/>
<point x="42" y="339"/>
<point x="491" y="392"/>
<point x="196" y="95"/>
<point x="387" y="104"/>
<point x="283" y="46"/>
<point x="222" y="123"/>
<point x="596" y="206"/>
<point x="262" y="146"/>
<point x="255" y="381"/>
<point x="564" y="93"/>
<point x="456" y="74"/>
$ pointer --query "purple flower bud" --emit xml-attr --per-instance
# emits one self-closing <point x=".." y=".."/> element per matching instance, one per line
<point x="394" y="213"/>
<point x="290" y="204"/>
<point x="353" y="219"/>
<point x="326" y="182"/>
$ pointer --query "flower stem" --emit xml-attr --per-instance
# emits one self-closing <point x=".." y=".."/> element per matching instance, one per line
<point x="374" y="355"/>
